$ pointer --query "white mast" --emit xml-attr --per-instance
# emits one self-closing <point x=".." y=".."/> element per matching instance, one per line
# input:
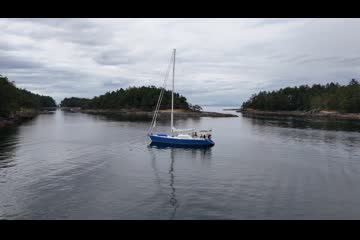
<point x="172" y="96"/>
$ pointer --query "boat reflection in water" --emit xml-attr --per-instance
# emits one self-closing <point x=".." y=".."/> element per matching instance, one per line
<point x="205" y="155"/>
<point x="173" y="201"/>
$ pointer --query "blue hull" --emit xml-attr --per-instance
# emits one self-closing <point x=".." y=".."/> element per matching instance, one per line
<point x="166" y="145"/>
<point x="184" y="142"/>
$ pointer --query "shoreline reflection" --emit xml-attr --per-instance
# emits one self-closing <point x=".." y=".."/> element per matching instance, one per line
<point x="316" y="124"/>
<point x="9" y="140"/>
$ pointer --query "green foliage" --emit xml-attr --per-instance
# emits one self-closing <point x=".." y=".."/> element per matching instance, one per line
<point x="331" y="96"/>
<point x="195" y="108"/>
<point x="144" y="98"/>
<point x="75" y="102"/>
<point x="13" y="98"/>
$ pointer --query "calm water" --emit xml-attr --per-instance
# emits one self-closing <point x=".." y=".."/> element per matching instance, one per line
<point x="78" y="166"/>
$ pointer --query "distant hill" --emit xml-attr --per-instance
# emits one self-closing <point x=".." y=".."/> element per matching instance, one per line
<point x="332" y="97"/>
<point x="13" y="99"/>
<point x="143" y="98"/>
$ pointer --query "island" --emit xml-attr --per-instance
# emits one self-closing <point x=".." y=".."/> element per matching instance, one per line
<point x="18" y="105"/>
<point x="137" y="102"/>
<point x="330" y="101"/>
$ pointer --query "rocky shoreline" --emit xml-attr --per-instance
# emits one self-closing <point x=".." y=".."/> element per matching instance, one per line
<point x="21" y="116"/>
<point x="162" y="113"/>
<point x="17" y="118"/>
<point x="331" y="115"/>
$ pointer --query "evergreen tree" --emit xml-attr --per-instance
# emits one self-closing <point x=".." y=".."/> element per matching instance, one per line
<point x="13" y="99"/>
<point x="143" y="98"/>
<point x="331" y="96"/>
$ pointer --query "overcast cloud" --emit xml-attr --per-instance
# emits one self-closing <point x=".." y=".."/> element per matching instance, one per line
<point x="219" y="61"/>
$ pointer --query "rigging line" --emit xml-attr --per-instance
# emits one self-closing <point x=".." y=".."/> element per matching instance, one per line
<point x="157" y="106"/>
<point x="162" y="91"/>
<point x="160" y="99"/>
<point x="152" y="125"/>
<point x="161" y="94"/>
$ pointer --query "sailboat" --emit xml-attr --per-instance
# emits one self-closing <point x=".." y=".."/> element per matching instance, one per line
<point x="185" y="137"/>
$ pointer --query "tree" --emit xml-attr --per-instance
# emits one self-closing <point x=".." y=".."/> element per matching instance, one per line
<point x="143" y="98"/>
<point x="353" y="82"/>
<point x="196" y="108"/>
<point x="13" y="99"/>
<point x="331" y="96"/>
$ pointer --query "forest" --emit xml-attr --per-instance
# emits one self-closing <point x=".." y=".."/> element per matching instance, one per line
<point x="142" y="98"/>
<point x="331" y="97"/>
<point x="13" y="99"/>
<point x="75" y="102"/>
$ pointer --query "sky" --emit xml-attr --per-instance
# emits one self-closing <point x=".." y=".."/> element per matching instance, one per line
<point x="218" y="62"/>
